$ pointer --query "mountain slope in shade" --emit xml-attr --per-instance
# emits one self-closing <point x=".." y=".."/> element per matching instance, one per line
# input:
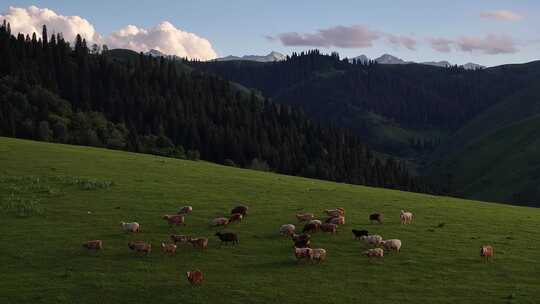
<point x="271" y="57"/>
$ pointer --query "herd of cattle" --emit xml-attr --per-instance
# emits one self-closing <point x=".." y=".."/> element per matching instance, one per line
<point x="301" y="241"/>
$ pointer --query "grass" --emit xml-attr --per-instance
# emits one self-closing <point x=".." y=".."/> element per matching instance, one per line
<point x="42" y="260"/>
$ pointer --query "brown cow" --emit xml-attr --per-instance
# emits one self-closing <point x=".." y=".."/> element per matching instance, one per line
<point x="304" y="217"/>
<point x="177" y="219"/>
<point x="199" y="242"/>
<point x="140" y="246"/>
<point x="195" y="277"/>
<point x="378" y="217"/>
<point x="486" y="252"/>
<point x="93" y="245"/>
<point x="168" y="248"/>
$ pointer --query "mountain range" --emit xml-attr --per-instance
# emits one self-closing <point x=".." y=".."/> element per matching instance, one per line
<point x="271" y="57"/>
<point x="390" y="59"/>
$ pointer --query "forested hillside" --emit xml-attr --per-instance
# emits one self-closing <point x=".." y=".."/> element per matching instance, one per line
<point x="51" y="91"/>
<point x="447" y="122"/>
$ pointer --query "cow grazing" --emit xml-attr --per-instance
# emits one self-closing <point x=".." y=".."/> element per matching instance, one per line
<point x="302" y="254"/>
<point x="376" y="217"/>
<point x="185" y="210"/>
<point x="310" y="228"/>
<point x="182" y="239"/>
<point x="201" y="243"/>
<point x="393" y="244"/>
<point x="373" y="239"/>
<point x="318" y="255"/>
<point x="168" y="248"/>
<point x="340" y="220"/>
<point x="140" y="246"/>
<point x="195" y="277"/>
<point x="486" y="252"/>
<point x="243" y="210"/>
<point x="359" y="233"/>
<point x="287" y="229"/>
<point x="236" y="217"/>
<point x="374" y="252"/>
<point x="177" y="219"/>
<point x="304" y="217"/>
<point x="406" y="217"/>
<point x="93" y="245"/>
<point x="300" y="237"/>
<point x="227" y="237"/>
<point x="130" y="227"/>
<point x="326" y="227"/>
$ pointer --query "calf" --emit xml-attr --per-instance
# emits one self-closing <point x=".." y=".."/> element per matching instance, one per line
<point x="195" y="277"/>
<point x="140" y="246"/>
<point x="377" y="217"/>
<point x="93" y="245"/>
<point x="332" y="228"/>
<point x="201" y="243"/>
<point x="335" y="212"/>
<point x="168" y="248"/>
<point x="486" y="252"/>
<point x="240" y="209"/>
<point x="177" y="219"/>
<point x="359" y="233"/>
<point x="227" y="237"/>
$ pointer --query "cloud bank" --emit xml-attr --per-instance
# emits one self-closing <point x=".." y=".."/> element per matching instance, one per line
<point x="355" y="36"/>
<point x="164" y="37"/>
<point x="491" y="44"/>
<point x="501" y="15"/>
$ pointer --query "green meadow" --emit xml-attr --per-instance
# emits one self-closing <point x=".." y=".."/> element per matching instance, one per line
<point x="55" y="197"/>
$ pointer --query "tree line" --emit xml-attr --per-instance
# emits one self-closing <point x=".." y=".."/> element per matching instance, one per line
<point x="119" y="99"/>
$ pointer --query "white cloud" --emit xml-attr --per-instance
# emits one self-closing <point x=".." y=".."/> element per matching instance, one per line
<point x="164" y="37"/>
<point x="30" y="20"/>
<point x="502" y="15"/>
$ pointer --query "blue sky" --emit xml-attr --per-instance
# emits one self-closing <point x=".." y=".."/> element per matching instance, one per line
<point x="241" y="27"/>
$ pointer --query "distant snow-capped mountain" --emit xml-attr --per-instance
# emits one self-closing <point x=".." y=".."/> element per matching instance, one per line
<point x="390" y="59"/>
<point x="273" y="56"/>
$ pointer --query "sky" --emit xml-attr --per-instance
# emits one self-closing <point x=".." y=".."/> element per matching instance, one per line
<point x="488" y="32"/>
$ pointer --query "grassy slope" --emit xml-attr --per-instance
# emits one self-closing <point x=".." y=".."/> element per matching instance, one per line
<point x="43" y="262"/>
